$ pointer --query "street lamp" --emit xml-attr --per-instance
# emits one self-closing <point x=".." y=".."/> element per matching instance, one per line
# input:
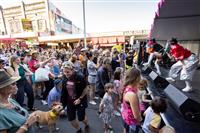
<point x="85" y="41"/>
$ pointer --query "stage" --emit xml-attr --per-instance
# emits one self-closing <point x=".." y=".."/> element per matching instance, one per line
<point x="173" y="117"/>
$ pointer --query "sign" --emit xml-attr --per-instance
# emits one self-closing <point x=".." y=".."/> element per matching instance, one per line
<point x="27" y="25"/>
<point x="136" y="32"/>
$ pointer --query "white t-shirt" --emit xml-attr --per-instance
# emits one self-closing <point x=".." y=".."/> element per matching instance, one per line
<point x="152" y="119"/>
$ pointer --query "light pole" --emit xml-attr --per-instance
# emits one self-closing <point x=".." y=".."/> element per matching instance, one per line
<point x="85" y="40"/>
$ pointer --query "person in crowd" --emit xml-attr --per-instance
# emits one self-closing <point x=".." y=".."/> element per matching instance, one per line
<point x="2" y="63"/>
<point x="152" y="119"/>
<point x="142" y="95"/>
<point x="48" y="84"/>
<point x="103" y="77"/>
<point x="73" y="96"/>
<point x="130" y="103"/>
<point x="92" y="73"/>
<point x="77" y="51"/>
<point x="27" y="57"/>
<point x="77" y="64"/>
<point x="118" y="47"/>
<point x="16" y="69"/>
<point x="115" y="60"/>
<point x="106" y="107"/>
<point x="55" y="93"/>
<point x="117" y="91"/>
<point x="14" y="118"/>
<point x="187" y="63"/>
<point x="129" y="60"/>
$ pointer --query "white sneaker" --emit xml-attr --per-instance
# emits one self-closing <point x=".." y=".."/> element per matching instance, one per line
<point x="158" y="72"/>
<point x="117" y="113"/>
<point x="93" y="102"/>
<point x="146" y="64"/>
<point x="187" y="89"/>
<point x="96" y="98"/>
<point x="169" y="79"/>
<point x="44" y="102"/>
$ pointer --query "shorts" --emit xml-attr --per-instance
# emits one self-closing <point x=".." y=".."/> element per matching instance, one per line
<point x="72" y="110"/>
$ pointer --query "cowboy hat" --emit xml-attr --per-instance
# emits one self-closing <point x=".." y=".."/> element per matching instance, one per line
<point x="6" y="80"/>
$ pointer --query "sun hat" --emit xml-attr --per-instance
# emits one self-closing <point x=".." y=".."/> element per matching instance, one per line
<point x="6" y="80"/>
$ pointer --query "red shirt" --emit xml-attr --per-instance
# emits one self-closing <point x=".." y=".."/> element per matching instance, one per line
<point x="179" y="52"/>
<point x="31" y="64"/>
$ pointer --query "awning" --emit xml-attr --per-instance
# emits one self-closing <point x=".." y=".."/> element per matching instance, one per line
<point x="7" y="40"/>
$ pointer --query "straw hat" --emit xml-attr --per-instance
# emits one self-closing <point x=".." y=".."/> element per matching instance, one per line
<point x="6" y="80"/>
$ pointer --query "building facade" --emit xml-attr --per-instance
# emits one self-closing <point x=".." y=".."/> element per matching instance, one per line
<point x="34" y="18"/>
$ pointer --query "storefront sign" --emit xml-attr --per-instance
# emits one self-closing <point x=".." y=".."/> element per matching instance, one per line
<point x="27" y="25"/>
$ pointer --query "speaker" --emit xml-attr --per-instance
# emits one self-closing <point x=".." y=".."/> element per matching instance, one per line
<point x="187" y="107"/>
<point x="146" y="70"/>
<point x="159" y="82"/>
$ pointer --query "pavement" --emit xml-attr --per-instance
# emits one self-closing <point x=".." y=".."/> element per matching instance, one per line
<point x="96" y="124"/>
<point x="174" y="118"/>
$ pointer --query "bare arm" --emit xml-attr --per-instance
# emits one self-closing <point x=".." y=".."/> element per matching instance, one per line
<point x="134" y="103"/>
<point x="153" y="129"/>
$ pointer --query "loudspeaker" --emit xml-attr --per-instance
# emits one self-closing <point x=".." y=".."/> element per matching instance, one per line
<point x="187" y="107"/>
<point x="146" y="70"/>
<point x="159" y="82"/>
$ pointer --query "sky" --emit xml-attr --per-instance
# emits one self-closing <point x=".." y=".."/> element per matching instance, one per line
<point x="107" y="15"/>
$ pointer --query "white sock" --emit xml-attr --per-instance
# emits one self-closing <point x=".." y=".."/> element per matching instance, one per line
<point x="157" y="67"/>
<point x="150" y="58"/>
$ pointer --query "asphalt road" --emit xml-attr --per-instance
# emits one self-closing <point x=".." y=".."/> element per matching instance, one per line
<point x="96" y="124"/>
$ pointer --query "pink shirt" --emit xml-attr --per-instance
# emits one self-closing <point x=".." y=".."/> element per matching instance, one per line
<point x="126" y="110"/>
<point x="31" y="64"/>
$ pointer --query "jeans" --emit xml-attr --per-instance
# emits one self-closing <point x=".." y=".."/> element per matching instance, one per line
<point x="24" y="86"/>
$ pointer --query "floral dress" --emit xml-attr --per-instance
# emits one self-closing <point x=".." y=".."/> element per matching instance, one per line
<point x="107" y="113"/>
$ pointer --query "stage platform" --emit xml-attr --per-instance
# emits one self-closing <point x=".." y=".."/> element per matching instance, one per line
<point x="172" y="116"/>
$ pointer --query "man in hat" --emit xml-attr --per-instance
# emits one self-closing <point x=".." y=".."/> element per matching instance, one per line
<point x="73" y="96"/>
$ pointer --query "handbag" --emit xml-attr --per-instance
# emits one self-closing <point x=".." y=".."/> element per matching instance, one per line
<point x="42" y="74"/>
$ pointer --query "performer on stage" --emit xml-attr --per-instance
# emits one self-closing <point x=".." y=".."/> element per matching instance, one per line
<point x="154" y="50"/>
<point x="185" y="66"/>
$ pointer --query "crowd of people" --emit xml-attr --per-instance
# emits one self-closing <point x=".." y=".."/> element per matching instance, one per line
<point x="77" y="77"/>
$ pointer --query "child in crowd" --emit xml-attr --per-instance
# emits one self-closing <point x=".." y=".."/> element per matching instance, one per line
<point x="106" y="107"/>
<point x="142" y="95"/>
<point x="152" y="115"/>
<point x="116" y="92"/>
<point x="55" y="93"/>
<point x="130" y="110"/>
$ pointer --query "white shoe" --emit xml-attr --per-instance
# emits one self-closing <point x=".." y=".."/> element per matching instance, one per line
<point x="96" y="98"/>
<point x="117" y="113"/>
<point x="44" y="102"/>
<point x="146" y="64"/>
<point x="93" y="102"/>
<point x="158" y="72"/>
<point x="169" y="79"/>
<point x="187" y="89"/>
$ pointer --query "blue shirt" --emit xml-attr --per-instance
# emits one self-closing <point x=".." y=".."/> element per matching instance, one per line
<point x="11" y="120"/>
<point x="54" y="96"/>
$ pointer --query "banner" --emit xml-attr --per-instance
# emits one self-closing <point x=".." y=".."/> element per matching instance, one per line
<point x="27" y="25"/>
